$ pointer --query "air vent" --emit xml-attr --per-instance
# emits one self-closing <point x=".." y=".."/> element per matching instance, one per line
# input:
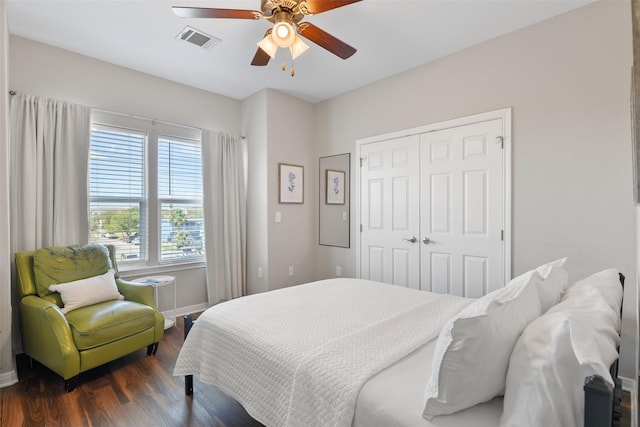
<point x="198" y="38"/>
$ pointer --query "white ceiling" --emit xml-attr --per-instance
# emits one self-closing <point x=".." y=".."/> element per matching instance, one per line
<point x="391" y="36"/>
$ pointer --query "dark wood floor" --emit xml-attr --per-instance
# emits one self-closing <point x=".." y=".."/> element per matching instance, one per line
<point x="136" y="390"/>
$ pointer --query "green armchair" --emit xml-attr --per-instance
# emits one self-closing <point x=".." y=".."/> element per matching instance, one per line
<point x="89" y="336"/>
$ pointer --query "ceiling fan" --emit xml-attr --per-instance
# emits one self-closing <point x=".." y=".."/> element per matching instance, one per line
<point x="286" y="16"/>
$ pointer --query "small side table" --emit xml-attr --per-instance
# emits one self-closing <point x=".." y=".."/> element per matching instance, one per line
<point x="156" y="282"/>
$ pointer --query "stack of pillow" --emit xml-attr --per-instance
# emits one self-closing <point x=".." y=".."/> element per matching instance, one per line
<point x="533" y="341"/>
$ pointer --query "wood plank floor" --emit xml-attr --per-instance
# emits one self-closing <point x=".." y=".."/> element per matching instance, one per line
<point x="136" y="390"/>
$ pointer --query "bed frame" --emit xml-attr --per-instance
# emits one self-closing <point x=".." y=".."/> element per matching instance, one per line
<point x="188" y="379"/>
<point x="602" y="402"/>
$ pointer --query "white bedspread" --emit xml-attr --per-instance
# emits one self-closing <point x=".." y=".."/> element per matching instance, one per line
<point x="298" y="356"/>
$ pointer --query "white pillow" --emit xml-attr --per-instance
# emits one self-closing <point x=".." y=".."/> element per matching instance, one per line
<point x="554" y="281"/>
<point x="606" y="282"/>
<point x="472" y="352"/>
<point x="93" y="290"/>
<point x="574" y="339"/>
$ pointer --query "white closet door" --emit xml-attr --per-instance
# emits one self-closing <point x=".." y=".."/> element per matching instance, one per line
<point x="462" y="209"/>
<point x="390" y="212"/>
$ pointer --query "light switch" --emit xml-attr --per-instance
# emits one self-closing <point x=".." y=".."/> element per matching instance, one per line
<point x="344" y="215"/>
<point x="278" y="217"/>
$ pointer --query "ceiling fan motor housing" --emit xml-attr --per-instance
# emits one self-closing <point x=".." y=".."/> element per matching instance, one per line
<point x="272" y="8"/>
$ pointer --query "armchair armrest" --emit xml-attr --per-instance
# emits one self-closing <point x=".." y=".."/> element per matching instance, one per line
<point x="138" y="292"/>
<point x="143" y="293"/>
<point x="47" y="336"/>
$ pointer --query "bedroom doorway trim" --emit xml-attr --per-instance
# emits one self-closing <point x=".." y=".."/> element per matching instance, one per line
<point x="502" y="114"/>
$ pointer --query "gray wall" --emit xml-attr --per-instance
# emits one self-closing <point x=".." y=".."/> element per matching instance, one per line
<point x="279" y="129"/>
<point x="568" y="82"/>
<point x="43" y="70"/>
<point x="7" y="373"/>
<point x="254" y="127"/>
<point x="291" y="241"/>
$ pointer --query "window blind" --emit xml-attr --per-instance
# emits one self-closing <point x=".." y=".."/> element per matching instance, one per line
<point x="117" y="164"/>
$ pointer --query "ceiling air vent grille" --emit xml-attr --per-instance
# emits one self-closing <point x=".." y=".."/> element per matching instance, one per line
<point x="198" y="38"/>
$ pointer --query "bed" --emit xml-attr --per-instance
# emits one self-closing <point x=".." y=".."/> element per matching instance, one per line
<point x="345" y="352"/>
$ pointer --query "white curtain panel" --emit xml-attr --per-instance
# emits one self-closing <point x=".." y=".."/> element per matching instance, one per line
<point x="49" y="152"/>
<point x="225" y="212"/>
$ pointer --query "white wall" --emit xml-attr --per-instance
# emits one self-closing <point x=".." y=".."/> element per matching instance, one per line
<point x="290" y="140"/>
<point x="568" y="82"/>
<point x="43" y="70"/>
<point x="279" y="129"/>
<point x="8" y="375"/>
<point x="254" y="127"/>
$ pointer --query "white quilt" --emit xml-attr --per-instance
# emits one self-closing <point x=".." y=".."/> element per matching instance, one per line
<point x="298" y="356"/>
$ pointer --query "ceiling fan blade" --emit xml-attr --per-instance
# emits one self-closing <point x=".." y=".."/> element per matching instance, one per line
<point x="319" y="6"/>
<point x="261" y="58"/>
<point x="208" y="12"/>
<point x="326" y="40"/>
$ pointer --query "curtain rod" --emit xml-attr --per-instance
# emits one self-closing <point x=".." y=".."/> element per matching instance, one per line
<point x="13" y="92"/>
<point x="134" y="116"/>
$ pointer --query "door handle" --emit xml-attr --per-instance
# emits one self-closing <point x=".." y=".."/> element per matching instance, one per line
<point x="411" y="240"/>
<point x="427" y="240"/>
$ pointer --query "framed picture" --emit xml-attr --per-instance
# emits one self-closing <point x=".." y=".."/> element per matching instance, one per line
<point x="291" y="182"/>
<point x="335" y="187"/>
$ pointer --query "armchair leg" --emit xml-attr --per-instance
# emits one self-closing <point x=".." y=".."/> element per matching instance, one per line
<point x="70" y="384"/>
<point x="152" y="349"/>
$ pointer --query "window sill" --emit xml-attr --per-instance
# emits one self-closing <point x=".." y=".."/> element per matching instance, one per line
<point x="140" y="270"/>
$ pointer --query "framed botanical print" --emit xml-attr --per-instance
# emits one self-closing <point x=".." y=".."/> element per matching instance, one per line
<point x="335" y="187"/>
<point x="291" y="182"/>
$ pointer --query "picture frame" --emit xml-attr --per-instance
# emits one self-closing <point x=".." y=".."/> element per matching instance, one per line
<point x="334" y="220"/>
<point x="334" y="187"/>
<point x="291" y="183"/>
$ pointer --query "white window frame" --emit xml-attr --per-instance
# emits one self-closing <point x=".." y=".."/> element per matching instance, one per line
<point x="154" y="130"/>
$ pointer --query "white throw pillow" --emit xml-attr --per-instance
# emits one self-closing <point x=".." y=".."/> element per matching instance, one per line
<point x="550" y="361"/>
<point x="472" y="352"/>
<point x="606" y="282"/>
<point x="554" y="281"/>
<point x="92" y="290"/>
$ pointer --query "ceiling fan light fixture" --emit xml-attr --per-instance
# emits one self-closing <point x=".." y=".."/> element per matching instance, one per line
<point x="268" y="45"/>
<point x="283" y="33"/>
<point x="298" y="47"/>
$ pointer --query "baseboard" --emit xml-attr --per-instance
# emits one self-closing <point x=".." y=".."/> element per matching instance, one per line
<point x="8" y="378"/>
<point x="181" y="311"/>
<point x="631" y="386"/>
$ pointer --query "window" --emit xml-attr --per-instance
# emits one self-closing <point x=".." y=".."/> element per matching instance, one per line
<point x="145" y="190"/>
<point x="180" y="198"/>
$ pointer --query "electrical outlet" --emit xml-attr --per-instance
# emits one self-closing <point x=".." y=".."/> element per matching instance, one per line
<point x="338" y="271"/>
<point x="259" y="272"/>
<point x="291" y="270"/>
